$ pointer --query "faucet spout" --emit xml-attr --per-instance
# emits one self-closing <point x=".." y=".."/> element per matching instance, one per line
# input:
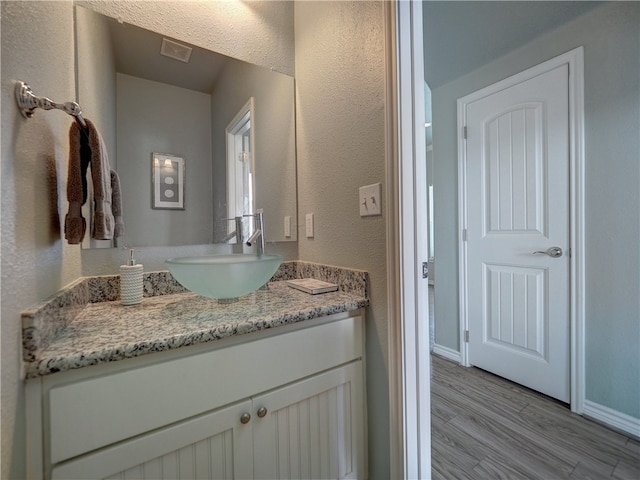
<point x="251" y="240"/>
<point x="258" y="233"/>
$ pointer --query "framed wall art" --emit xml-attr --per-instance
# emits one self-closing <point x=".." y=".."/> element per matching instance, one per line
<point x="168" y="176"/>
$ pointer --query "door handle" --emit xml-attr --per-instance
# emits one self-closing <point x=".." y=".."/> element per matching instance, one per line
<point x="553" y="252"/>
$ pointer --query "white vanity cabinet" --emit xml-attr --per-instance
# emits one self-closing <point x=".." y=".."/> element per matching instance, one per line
<point x="312" y="429"/>
<point x="285" y="403"/>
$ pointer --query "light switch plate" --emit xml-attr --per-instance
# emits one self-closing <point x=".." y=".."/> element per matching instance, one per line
<point x="309" y="225"/>
<point x="370" y="200"/>
<point x="287" y="226"/>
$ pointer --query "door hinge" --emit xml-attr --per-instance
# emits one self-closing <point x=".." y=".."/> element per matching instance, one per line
<point x="466" y="336"/>
<point x="425" y="270"/>
<point x="464" y="234"/>
<point x="464" y="132"/>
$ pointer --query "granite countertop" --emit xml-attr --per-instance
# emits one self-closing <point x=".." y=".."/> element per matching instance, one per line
<point x="106" y="331"/>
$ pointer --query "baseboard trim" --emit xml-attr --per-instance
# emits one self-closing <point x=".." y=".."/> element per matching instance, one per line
<point x="612" y="418"/>
<point x="446" y="352"/>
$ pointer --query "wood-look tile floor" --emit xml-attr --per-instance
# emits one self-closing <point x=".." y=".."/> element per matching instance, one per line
<point x="485" y="427"/>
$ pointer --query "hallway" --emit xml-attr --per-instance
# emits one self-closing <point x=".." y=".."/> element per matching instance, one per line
<point x="485" y="427"/>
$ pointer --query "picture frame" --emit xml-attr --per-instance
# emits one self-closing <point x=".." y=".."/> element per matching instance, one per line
<point x="167" y="181"/>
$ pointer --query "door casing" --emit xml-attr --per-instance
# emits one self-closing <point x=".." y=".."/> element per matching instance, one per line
<point x="575" y="60"/>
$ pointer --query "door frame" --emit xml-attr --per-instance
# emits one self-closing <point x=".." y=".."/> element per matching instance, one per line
<point x="575" y="60"/>
<point x="406" y="218"/>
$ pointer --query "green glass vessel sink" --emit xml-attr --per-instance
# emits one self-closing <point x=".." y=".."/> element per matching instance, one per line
<point x="224" y="277"/>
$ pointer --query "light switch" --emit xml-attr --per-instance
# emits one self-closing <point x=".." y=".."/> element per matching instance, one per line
<point x="370" y="200"/>
<point x="309" y="225"/>
<point x="287" y="226"/>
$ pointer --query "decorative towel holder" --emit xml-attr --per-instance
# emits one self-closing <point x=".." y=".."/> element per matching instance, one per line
<point x="28" y="102"/>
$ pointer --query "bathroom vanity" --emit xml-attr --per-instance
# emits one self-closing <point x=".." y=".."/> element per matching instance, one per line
<point x="271" y="386"/>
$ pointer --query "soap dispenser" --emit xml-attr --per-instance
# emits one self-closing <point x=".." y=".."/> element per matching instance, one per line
<point x="131" y="281"/>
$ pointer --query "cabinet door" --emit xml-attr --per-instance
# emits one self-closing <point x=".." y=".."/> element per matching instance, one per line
<point x="312" y="429"/>
<point x="212" y="446"/>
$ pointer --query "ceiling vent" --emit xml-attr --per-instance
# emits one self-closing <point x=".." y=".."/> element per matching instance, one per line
<point x="175" y="50"/>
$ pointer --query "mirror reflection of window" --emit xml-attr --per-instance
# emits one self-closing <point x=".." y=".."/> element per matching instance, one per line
<point x="240" y="168"/>
<point x="247" y="172"/>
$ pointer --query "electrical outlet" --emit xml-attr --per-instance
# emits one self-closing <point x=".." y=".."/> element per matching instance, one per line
<point x="309" y="225"/>
<point x="287" y="226"/>
<point x="370" y="200"/>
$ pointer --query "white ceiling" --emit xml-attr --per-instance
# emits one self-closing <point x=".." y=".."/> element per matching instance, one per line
<point x="460" y="37"/>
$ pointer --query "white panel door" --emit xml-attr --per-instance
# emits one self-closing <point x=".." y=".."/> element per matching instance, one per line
<point x="212" y="446"/>
<point x="312" y="429"/>
<point x="518" y="204"/>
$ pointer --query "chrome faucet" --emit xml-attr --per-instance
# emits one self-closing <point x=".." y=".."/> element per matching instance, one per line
<point x="258" y="232"/>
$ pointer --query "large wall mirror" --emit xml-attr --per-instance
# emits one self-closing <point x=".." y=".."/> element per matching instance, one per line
<point x="137" y="88"/>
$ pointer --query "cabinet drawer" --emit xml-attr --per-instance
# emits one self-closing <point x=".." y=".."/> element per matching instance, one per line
<point x="90" y="414"/>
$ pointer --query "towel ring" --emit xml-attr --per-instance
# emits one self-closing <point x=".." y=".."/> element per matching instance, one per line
<point x="28" y="102"/>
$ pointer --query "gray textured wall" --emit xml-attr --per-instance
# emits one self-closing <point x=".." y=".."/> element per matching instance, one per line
<point x="340" y="78"/>
<point x="35" y="261"/>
